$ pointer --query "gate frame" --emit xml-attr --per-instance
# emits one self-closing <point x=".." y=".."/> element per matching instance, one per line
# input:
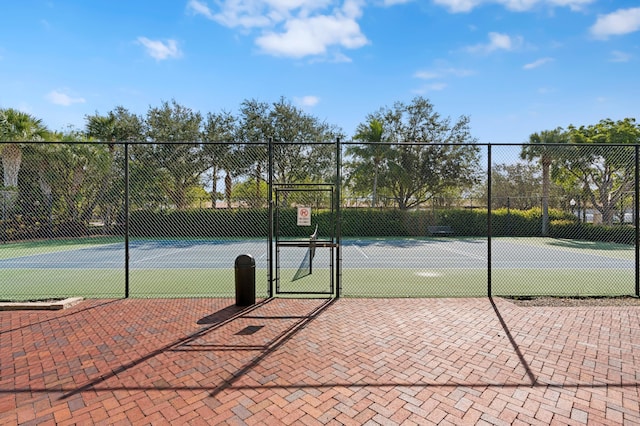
<point x="335" y="202"/>
<point x="326" y="243"/>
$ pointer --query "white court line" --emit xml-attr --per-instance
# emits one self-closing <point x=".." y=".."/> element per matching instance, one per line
<point x="360" y="250"/>
<point x="151" y="257"/>
<point x="170" y="253"/>
<point x="464" y="253"/>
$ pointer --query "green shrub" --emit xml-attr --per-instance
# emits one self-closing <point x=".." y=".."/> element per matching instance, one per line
<point x="572" y="229"/>
<point x="200" y="223"/>
<point x="368" y="222"/>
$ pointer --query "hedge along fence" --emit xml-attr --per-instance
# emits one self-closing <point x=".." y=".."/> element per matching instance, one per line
<point x="621" y="234"/>
<point x="359" y="222"/>
<point x="215" y="223"/>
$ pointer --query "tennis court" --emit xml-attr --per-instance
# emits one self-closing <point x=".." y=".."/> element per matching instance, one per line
<point x="370" y="267"/>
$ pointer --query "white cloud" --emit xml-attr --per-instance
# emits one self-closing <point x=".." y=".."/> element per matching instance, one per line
<point x="458" y="72"/>
<point x="428" y="88"/>
<point x="199" y="8"/>
<point x="394" y="2"/>
<point x="60" y="98"/>
<point x="307" y="101"/>
<point x="436" y="86"/>
<point x="535" y="64"/>
<point x="457" y="6"/>
<point x="620" y="22"/>
<point x="245" y="14"/>
<point x="519" y="5"/>
<point x="292" y="28"/>
<point x="427" y="75"/>
<point x="572" y="4"/>
<point x="340" y="58"/>
<point x="258" y="13"/>
<point x="313" y="36"/>
<point x="497" y="41"/>
<point x="160" y="50"/>
<point x="618" y="56"/>
<point x="438" y="75"/>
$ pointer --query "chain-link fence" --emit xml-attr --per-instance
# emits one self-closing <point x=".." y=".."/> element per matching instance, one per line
<point x="392" y="220"/>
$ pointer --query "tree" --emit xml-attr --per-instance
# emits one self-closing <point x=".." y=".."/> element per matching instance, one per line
<point x="17" y="126"/>
<point x="176" y="151"/>
<point x="119" y="125"/>
<point x="428" y="154"/>
<point x="217" y="136"/>
<point x="516" y="185"/>
<point x="69" y="172"/>
<point x="246" y="193"/>
<point x="297" y="154"/>
<point x="542" y="146"/>
<point x="298" y="151"/>
<point x="79" y="179"/>
<point x="606" y="173"/>
<point x="372" y="152"/>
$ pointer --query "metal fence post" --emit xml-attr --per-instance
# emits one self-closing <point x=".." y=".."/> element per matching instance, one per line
<point x="338" y="218"/>
<point x="270" y="213"/>
<point x="4" y="220"/>
<point x="489" y="201"/>
<point x="126" y="220"/>
<point x="636" y="221"/>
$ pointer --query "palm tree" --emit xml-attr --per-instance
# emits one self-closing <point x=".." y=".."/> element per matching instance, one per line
<point x="373" y="153"/>
<point x="16" y="126"/>
<point x="542" y="146"/>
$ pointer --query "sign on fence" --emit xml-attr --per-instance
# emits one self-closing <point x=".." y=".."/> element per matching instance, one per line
<point x="304" y="216"/>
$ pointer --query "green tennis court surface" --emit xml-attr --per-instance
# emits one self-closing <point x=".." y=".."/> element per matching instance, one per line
<point x="372" y="267"/>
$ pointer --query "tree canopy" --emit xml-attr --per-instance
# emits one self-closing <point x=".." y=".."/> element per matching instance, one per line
<point x="17" y="126"/>
<point x="423" y="154"/>
<point x="595" y="159"/>
<point x="403" y="155"/>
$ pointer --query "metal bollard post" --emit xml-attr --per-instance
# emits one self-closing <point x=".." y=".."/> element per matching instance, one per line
<point x="245" y="267"/>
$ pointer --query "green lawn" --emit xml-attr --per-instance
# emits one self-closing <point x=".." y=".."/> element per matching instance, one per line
<point x="22" y="284"/>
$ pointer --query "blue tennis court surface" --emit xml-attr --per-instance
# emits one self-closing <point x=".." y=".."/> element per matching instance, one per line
<point x="445" y="253"/>
<point x="371" y="267"/>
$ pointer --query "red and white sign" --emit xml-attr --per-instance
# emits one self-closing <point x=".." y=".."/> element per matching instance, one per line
<point x="304" y="216"/>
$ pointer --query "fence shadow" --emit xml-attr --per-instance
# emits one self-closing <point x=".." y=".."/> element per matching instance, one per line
<point x="218" y="319"/>
<point x="514" y="344"/>
<point x="251" y="320"/>
<point x="214" y="321"/>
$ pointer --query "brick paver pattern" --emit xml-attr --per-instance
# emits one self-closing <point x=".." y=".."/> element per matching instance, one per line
<point x="317" y="362"/>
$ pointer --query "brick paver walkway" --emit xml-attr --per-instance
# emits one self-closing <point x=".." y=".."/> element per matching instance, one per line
<point x="350" y="361"/>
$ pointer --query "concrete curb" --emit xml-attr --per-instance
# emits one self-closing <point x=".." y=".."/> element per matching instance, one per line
<point x="46" y="306"/>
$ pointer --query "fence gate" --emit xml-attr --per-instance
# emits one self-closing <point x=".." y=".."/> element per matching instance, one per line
<point x="305" y="245"/>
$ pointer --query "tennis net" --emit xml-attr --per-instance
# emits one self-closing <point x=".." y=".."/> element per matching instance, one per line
<point x="306" y="266"/>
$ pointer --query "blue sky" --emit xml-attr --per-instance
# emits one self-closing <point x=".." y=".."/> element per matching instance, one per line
<point x="514" y="66"/>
